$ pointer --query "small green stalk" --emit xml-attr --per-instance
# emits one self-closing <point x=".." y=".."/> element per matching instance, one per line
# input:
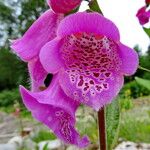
<point x="94" y="6"/>
<point x="145" y="69"/>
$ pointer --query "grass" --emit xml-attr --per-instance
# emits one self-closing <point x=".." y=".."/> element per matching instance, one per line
<point x="8" y="109"/>
<point x="86" y="123"/>
<point x="89" y="129"/>
<point x="25" y="114"/>
<point x="135" y="131"/>
<point x="43" y="135"/>
<point x="135" y="123"/>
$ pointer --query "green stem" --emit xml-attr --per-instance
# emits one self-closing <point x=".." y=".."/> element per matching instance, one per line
<point x="145" y="69"/>
<point x="147" y="31"/>
<point x="93" y="4"/>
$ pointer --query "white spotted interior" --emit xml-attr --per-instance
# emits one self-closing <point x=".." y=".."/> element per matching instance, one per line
<point x="64" y="120"/>
<point x="90" y="60"/>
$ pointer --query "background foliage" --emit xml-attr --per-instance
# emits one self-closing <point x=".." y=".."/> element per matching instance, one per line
<point x="15" y="19"/>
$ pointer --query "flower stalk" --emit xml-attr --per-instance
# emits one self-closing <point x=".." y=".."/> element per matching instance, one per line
<point x="93" y="4"/>
<point x="102" y="129"/>
<point x="145" y="69"/>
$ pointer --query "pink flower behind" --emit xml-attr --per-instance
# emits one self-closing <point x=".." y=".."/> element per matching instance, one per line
<point x="63" y="6"/>
<point x="143" y="15"/>
<point x="89" y="58"/>
<point x="28" y="47"/>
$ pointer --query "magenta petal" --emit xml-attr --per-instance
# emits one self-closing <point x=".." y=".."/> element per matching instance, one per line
<point x="93" y="98"/>
<point x="106" y="97"/>
<point x="89" y="23"/>
<point x="129" y="59"/>
<point x="53" y="108"/>
<point x="143" y="15"/>
<point x="50" y="56"/>
<point x="63" y="6"/>
<point x="37" y="74"/>
<point x="42" y="31"/>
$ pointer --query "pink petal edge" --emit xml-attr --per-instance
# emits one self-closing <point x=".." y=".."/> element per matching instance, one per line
<point x="130" y="60"/>
<point x="89" y="23"/>
<point x="41" y="31"/>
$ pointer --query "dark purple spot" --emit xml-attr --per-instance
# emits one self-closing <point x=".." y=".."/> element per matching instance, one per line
<point x="91" y="82"/>
<point x="86" y="88"/>
<point x="96" y="74"/>
<point x="98" y="87"/>
<point x="105" y="85"/>
<point x="107" y="74"/>
<point x="80" y="82"/>
<point x="86" y="84"/>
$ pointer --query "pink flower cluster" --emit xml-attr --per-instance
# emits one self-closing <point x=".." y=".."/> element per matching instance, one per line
<point x="88" y="62"/>
<point x="143" y="13"/>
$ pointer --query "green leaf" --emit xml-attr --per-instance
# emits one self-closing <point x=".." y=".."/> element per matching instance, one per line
<point x="93" y="4"/>
<point x="143" y="82"/>
<point x="112" y="123"/>
<point x="45" y="146"/>
<point x="147" y="31"/>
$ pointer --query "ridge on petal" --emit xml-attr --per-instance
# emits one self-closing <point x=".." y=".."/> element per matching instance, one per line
<point x="50" y="56"/>
<point x="129" y="59"/>
<point x="88" y="23"/>
<point x="41" y="31"/>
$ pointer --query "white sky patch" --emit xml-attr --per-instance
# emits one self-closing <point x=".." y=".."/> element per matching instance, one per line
<point x="123" y="14"/>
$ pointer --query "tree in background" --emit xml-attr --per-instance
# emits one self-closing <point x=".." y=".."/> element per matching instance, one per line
<point x="15" y="18"/>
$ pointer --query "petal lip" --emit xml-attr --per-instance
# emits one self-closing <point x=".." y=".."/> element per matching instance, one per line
<point x="89" y="23"/>
<point x="46" y="113"/>
<point x="40" y="32"/>
<point x="99" y="99"/>
<point x="50" y="56"/>
<point x="44" y="97"/>
<point x="63" y="6"/>
<point x="52" y="93"/>
<point x="107" y="97"/>
<point x="129" y="58"/>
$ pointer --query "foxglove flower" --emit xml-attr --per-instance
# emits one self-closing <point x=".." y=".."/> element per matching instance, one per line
<point x="63" y="6"/>
<point x="53" y="108"/>
<point x="143" y="15"/>
<point x="89" y="58"/>
<point x="29" y="46"/>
